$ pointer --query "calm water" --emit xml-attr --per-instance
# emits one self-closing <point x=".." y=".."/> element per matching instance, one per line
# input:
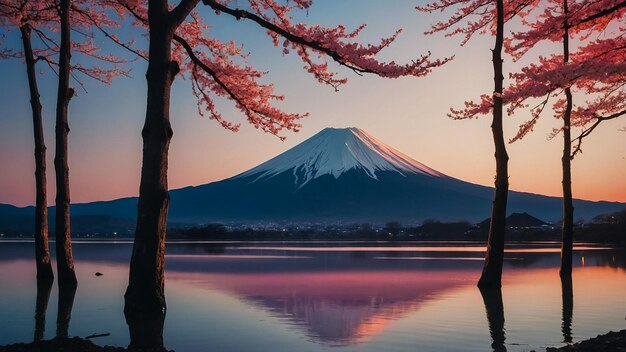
<point x="332" y="297"/>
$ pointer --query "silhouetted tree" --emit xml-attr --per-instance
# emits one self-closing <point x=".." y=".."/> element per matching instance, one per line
<point x="43" y="19"/>
<point x="65" y="261"/>
<point x="489" y="15"/>
<point x="567" y="235"/>
<point x="32" y="15"/>
<point x="146" y="330"/>
<point x="594" y="68"/>
<point x="67" y="292"/>
<point x="42" y="250"/>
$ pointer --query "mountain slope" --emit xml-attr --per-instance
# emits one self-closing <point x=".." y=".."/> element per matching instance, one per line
<point x="348" y="175"/>
<point x="335" y="151"/>
<point x="338" y="175"/>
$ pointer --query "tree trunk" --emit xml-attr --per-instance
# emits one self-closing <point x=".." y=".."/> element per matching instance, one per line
<point x="65" y="263"/>
<point x="566" y="159"/>
<point x="145" y="293"/>
<point x="67" y="293"/>
<point x="146" y="331"/>
<point x="492" y="270"/>
<point x="42" y="251"/>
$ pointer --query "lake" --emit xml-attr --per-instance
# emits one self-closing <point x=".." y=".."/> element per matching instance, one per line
<point x="320" y="296"/>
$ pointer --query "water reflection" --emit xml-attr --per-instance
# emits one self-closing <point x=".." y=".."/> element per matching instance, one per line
<point x="568" y="308"/>
<point x="67" y="293"/>
<point x="44" y="287"/>
<point x="338" y="308"/>
<point x="495" y="316"/>
<point x="251" y="300"/>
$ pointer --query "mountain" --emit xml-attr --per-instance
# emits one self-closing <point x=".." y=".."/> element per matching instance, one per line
<point x="348" y="175"/>
<point x="339" y="175"/>
<point x="336" y="151"/>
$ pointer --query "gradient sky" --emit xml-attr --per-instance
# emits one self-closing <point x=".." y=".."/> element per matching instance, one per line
<point x="408" y="114"/>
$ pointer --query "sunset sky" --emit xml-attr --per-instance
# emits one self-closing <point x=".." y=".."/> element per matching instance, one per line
<point x="409" y="114"/>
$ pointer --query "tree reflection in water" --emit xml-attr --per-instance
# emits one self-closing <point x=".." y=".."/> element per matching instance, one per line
<point x="495" y="316"/>
<point x="568" y="308"/>
<point x="43" y="296"/>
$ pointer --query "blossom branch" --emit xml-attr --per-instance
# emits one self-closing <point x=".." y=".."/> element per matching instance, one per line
<point x="586" y="132"/>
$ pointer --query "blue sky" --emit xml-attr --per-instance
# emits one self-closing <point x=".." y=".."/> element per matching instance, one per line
<point x="407" y="113"/>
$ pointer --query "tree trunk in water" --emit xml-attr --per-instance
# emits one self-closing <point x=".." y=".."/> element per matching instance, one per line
<point x="65" y="263"/>
<point x="568" y="206"/>
<point x="145" y="293"/>
<point x="146" y="331"/>
<point x="42" y="251"/>
<point x="67" y="293"/>
<point x="492" y="270"/>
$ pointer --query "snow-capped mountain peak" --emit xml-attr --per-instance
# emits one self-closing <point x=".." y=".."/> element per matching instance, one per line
<point x="336" y="150"/>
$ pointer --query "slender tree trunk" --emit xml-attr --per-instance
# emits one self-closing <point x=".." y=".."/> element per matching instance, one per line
<point x="145" y="293"/>
<point x="146" y="331"/>
<point x="64" y="312"/>
<point x="42" y="251"/>
<point x="65" y="262"/>
<point x="568" y="206"/>
<point x="492" y="270"/>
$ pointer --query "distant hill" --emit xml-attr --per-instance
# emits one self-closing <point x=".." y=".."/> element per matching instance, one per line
<point x="518" y="220"/>
<point x="524" y="220"/>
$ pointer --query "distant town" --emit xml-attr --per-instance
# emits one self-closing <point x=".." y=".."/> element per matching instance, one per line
<point x="607" y="228"/>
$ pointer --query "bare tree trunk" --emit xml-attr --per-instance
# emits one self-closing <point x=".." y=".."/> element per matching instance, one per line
<point x="568" y="206"/>
<point x="65" y="262"/>
<point x="145" y="305"/>
<point x="145" y="293"/>
<point x="492" y="270"/>
<point x="67" y="293"/>
<point x="42" y="251"/>
<point x="146" y="331"/>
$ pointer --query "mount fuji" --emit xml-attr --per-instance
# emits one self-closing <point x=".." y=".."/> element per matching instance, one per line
<point x="336" y="151"/>
<point x="346" y="174"/>
<point x="340" y="175"/>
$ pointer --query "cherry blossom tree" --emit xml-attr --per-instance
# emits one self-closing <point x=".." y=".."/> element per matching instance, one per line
<point x="65" y="262"/>
<point x="44" y="19"/>
<point x="596" y="69"/>
<point x="180" y="44"/>
<point x="25" y="16"/>
<point x="472" y="17"/>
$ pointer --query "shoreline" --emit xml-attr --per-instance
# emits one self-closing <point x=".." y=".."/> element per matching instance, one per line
<point x="609" y="342"/>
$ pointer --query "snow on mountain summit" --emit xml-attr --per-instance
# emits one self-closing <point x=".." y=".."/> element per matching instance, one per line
<point x="336" y="150"/>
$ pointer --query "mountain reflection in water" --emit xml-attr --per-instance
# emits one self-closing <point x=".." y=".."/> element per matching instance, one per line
<point x="338" y="308"/>
<point x="282" y="297"/>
